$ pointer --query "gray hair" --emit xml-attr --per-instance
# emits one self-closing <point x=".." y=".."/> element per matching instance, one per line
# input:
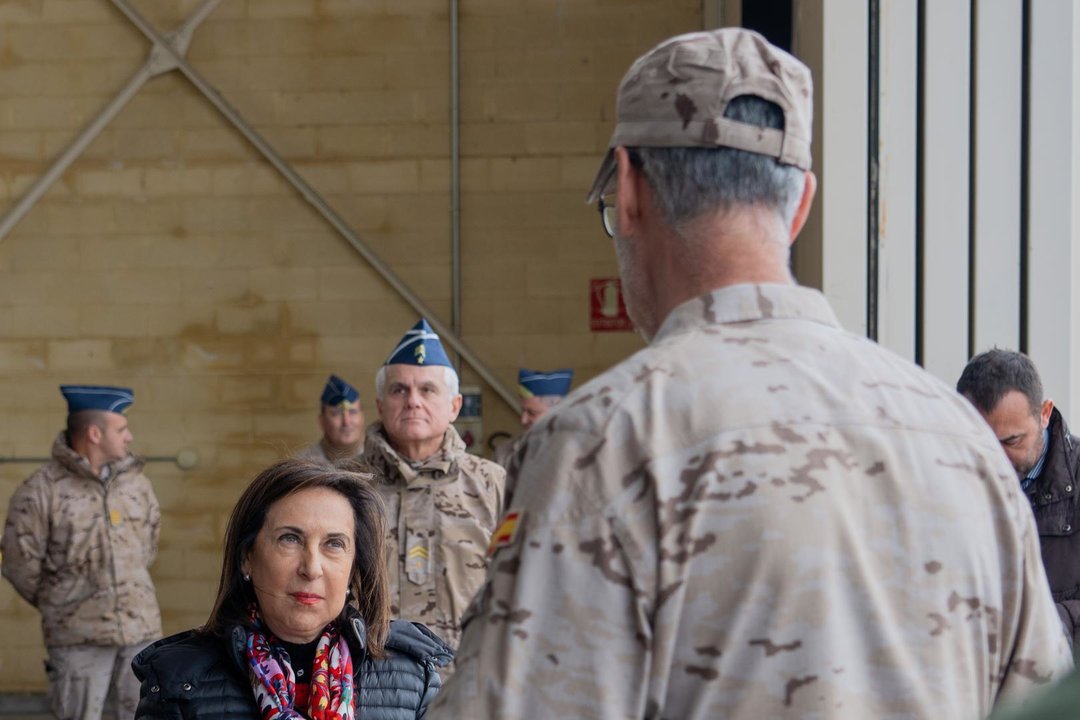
<point x="450" y="377"/>
<point x="990" y="376"/>
<point x="690" y="181"/>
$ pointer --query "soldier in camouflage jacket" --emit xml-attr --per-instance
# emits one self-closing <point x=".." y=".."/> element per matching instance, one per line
<point x="342" y="422"/>
<point x="442" y="504"/>
<point x="78" y="545"/>
<point x="759" y="515"/>
<point x="441" y="513"/>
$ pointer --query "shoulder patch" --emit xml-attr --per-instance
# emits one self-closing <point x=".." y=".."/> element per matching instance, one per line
<point x="507" y="531"/>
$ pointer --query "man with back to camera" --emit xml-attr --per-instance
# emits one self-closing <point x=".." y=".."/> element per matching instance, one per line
<point x="442" y="503"/>
<point x="759" y="515"/>
<point x="1005" y="388"/>
<point x="342" y="421"/>
<point x="539" y="391"/>
<point x="80" y="536"/>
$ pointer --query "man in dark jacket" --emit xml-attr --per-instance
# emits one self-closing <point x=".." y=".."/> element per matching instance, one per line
<point x="1005" y="388"/>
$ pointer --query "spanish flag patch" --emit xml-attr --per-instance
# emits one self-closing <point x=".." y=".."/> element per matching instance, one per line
<point x="506" y="532"/>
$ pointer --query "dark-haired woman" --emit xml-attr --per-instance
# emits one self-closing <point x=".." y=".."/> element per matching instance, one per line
<point x="300" y="627"/>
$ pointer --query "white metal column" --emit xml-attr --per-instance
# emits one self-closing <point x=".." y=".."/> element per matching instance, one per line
<point x="1052" y="229"/>
<point x="967" y="204"/>
<point x="831" y="252"/>
<point x="998" y="44"/>
<point x="1074" y="326"/>
<point x="897" y="152"/>
<point x="945" y="197"/>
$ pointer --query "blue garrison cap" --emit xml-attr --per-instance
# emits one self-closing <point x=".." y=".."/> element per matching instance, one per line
<point x="420" y="346"/>
<point x="338" y="391"/>
<point x="97" y="397"/>
<point x="534" y="383"/>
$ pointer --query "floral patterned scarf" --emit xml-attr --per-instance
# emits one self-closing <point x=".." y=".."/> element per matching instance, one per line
<point x="274" y="683"/>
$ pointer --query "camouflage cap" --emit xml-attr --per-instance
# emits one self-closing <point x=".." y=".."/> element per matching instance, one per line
<point x="675" y="96"/>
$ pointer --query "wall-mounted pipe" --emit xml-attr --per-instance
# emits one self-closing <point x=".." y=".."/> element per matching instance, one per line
<point x="455" y="171"/>
<point x="185" y="459"/>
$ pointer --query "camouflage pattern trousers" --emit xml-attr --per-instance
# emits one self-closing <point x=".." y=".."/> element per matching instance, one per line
<point x="80" y="677"/>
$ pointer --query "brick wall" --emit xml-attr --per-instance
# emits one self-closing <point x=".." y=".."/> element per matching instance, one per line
<point x="171" y="258"/>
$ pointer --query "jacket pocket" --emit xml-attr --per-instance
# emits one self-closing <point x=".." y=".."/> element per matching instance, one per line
<point x="1057" y="518"/>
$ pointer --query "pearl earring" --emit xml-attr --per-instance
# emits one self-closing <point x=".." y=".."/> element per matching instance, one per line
<point x="247" y="578"/>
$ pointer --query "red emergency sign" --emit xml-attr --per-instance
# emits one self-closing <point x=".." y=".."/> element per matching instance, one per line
<point x="607" y="310"/>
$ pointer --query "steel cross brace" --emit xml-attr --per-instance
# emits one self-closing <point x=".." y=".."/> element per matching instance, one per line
<point x="166" y="54"/>
<point x="157" y="62"/>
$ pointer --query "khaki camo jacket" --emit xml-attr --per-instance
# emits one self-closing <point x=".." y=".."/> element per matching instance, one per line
<point x="759" y="515"/>
<point x="317" y="453"/>
<point x="505" y="451"/>
<point x="440" y="516"/>
<point x="79" y="549"/>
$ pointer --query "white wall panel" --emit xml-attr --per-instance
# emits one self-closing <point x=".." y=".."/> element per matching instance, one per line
<point x="832" y="38"/>
<point x="843" y="160"/>
<point x="945" y="186"/>
<point x="897" y="152"/>
<point x="973" y="172"/>
<point x="1051" y="216"/>
<point x="1072" y="410"/>
<point x="998" y="69"/>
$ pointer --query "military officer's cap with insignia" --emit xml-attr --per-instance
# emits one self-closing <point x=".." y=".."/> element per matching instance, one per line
<point x="338" y="392"/>
<point x="535" y="383"/>
<point x="420" y="346"/>
<point x="97" y="397"/>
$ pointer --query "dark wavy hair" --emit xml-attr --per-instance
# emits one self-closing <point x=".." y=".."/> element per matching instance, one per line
<point x="370" y="594"/>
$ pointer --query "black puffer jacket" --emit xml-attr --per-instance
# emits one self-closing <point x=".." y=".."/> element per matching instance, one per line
<point x="1055" y="499"/>
<point x="200" y="676"/>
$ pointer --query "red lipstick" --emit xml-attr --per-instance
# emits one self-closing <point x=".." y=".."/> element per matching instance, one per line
<point x="306" y="598"/>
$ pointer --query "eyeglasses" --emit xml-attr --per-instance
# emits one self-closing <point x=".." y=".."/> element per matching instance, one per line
<point x="607" y="215"/>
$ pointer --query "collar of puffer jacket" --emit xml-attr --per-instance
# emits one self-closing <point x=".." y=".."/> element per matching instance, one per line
<point x="407" y="638"/>
<point x="418" y="641"/>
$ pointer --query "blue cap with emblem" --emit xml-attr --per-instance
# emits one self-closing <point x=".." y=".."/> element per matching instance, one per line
<point x="420" y="346"/>
<point x="337" y="391"/>
<point x="534" y="383"/>
<point x="97" y="397"/>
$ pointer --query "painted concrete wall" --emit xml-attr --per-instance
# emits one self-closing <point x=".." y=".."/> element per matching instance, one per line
<point x="172" y="259"/>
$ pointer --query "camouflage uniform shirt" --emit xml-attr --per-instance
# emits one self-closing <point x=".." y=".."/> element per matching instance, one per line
<point x="317" y="453"/>
<point x="440" y="515"/>
<point x="506" y="450"/>
<point x="79" y="549"/>
<point x="759" y="516"/>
